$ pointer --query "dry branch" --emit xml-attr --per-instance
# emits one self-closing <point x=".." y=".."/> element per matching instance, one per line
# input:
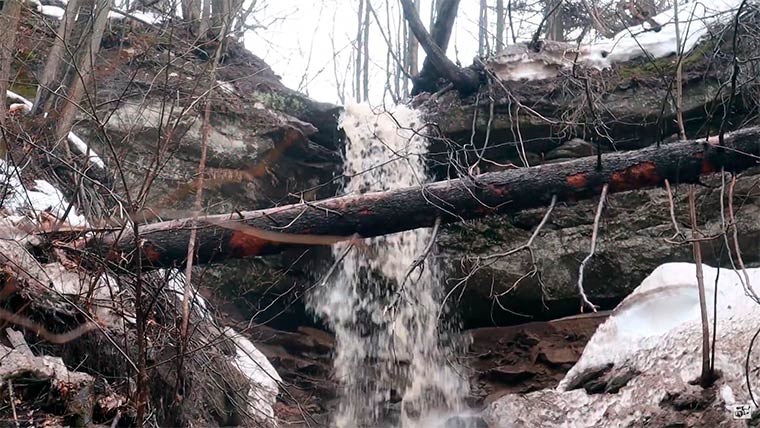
<point x="273" y="230"/>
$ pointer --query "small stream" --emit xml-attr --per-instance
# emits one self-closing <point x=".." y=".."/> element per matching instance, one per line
<point x="395" y="362"/>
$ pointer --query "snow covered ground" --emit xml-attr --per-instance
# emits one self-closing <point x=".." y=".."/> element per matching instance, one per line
<point x="259" y="371"/>
<point x="57" y="12"/>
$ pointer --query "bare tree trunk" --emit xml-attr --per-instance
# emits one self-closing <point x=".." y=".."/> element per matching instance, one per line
<point x="706" y="376"/>
<point x="554" y="30"/>
<point x="365" y="46"/>
<point x="446" y="14"/>
<point x="82" y="76"/>
<point x="8" y="25"/>
<point x="483" y="29"/>
<point x="500" y="19"/>
<point x="434" y="43"/>
<point x="402" y="47"/>
<point x="434" y="5"/>
<point x="50" y="80"/>
<point x="679" y="75"/>
<point x="206" y="19"/>
<point x="220" y="14"/>
<point x="412" y="46"/>
<point x="190" y="10"/>
<point x="269" y="231"/>
<point x="358" y="59"/>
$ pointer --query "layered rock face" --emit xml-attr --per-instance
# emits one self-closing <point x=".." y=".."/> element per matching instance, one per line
<point x="633" y="240"/>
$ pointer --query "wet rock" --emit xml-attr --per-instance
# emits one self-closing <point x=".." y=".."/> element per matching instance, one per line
<point x="559" y="356"/>
<point x="466" y="422"/>
<point x="632" y="242"/>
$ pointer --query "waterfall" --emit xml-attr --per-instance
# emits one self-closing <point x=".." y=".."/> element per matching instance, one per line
<point x="393" y="360"/>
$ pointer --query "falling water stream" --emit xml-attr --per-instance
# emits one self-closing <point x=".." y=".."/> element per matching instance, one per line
<point x="393" y="359"/>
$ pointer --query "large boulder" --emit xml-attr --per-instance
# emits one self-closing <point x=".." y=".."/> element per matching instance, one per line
<point x="642" y="365"/>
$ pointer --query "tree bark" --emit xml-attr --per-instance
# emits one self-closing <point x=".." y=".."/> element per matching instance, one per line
<point x="80" y="81"/>
<point x="412" y="46"/>
<point x="500" y="18"/>
<point x="269" y="231"/>
<point x="365" y="48"/>
<point x="554" y="30"/>
<point x="55" y="60"/>
<point x="9" y="21"/>
<point x="483" y="29"/>
<point x="436" y="63"/>
<point x="359" y="50"/>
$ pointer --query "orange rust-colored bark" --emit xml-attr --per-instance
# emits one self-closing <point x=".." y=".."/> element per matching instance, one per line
<point x="577" y="181"/>
<point x="245" y="245"/>
<point x="640" y="175"/>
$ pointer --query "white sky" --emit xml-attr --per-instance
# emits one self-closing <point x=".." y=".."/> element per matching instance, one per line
<point x="300" y="34"/>
<point x="310" y="43"/>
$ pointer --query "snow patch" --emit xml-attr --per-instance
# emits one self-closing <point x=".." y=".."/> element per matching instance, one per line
<point x="144" y="17"/>
<point x="694" y="21"/>
<point x="55" y="12"/>
<point x="16" y="97"/>
<point x="249" y="360"/>
<point x="226" y="87"/>
<point x="176" y="284"/>
<point x="263" y="377"/>
<point x="653" y="338"/>
<point x="82" y="148"/>
<point x="517" y="62"/>
<point x="727" y="395"/>
<point x="19" y="200"/>
<point x="666" y="300"/>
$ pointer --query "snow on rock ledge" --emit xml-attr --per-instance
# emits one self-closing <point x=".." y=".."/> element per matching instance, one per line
<point x="43" y="197"/>
<point x="260" y="373"/>
<point x="638" y="367"/>
<point x="518" y="62"/>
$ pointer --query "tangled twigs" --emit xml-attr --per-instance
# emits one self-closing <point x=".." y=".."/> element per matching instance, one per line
<point x="417" y="263"/>
<point x="529" y="242"/>
<point x="584" y="299"/>
<point x="528" y="246"/>
<point x="748" y="287"/>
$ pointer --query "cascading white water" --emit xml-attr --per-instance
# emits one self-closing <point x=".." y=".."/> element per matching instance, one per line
<point x="389" y="343"/>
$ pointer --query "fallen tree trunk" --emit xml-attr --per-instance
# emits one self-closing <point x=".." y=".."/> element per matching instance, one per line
<point x="372" y="214"/>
